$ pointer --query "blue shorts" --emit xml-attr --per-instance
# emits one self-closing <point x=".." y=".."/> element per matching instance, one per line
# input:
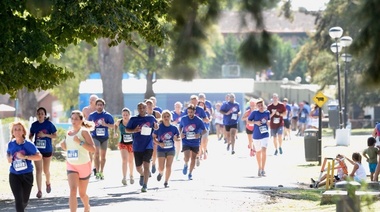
<point x="276" y="131"/>
<point x="372" y="167"/>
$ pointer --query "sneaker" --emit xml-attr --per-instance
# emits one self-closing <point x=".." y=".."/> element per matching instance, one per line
<point x="184" y="170"/>
<point x="159" y="176"/>
<point x="97" y="175"/>
<point x="280" y="150"/>
<point x="197" y="161"/>
<point x="232" y="152"/>
<point x="263" y="173"/>
<point x="101" y="175"/>
<point x="94" y="170"/>
<point x="39" y="194"/>
<point x="259" y="173"/>
<point x="144" y="189"/>
<point x="190" y="176"/>
<point x="124" y="181"/>
<point x="252" y="153"/>
<point x="166" y="185"/>
<point x="131" y="180"/>
<point x="228" y="147"/>
<point x="312" y="180"/>
<point x="275" y="152"/>
<point x="48" y="188"/>
<point x="153" y="168"/>
<point x="141" y="180"/>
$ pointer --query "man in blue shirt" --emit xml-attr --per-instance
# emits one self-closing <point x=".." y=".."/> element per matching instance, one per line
<point x="231" y="114"/>
<point x="142" y="126"/>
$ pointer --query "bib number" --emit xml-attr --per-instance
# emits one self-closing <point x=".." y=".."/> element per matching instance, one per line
<point x="127" y="138"/>
<point x="168" y="144"/>
<point x="41" y="144"/>
<point x="276" y="120"/>
<point x="20" y="165"/>
<point x="72" y="154"/>
<point x="263" y="129"/>
<point x="146" y="131"/>
<point x="190" y="135"/>
<point x="234" y="116"/>
<point x="100" y="131"/>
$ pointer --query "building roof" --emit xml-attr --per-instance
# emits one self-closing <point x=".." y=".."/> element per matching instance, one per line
<point x="230" y="22"/>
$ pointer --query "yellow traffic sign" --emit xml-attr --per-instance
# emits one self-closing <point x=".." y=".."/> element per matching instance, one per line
<point x="320" y="99"/>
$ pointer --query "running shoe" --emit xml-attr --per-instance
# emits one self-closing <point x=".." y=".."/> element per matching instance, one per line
<point x="197" y="161"/>
<point x="94" y="170"/>
<point x="39" y="194"/>
<point x="263" y="173"/>
<point x="101" y="175"/>
<point x="275" y="152"/>
<point x="141" y="180"/>
<point x="259" y="173"/>
<point x="131" y="180"/>
<point x="190" y="176"/>
<point x="166" y="185"/>
<point x="280" y="150"/>
<point x="97" y="175"/>
<point x="48" y="188"/>
<point x="154" y="168"/>
<point x="124" y="181"/>
<point x="144" y="189"/>
<point x="184" y="170"/>
<point x="232" y="152"/>
<point x="228" y="147"/>
<point x="159" y="176"/>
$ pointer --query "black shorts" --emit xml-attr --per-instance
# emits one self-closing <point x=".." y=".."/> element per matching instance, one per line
<point x="228" y="127"/>
<point x="47" y="154"/>
<point x="141" y="157"/>
<point x="286" y="123"/>
<point x="194" y="149"/>
<point x="248" y="131"/>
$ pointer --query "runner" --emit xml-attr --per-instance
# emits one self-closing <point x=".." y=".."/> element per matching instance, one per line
<point x="103" y="120"/>
<point x="77" y="144"/>
<point x="231" y="113"/>
<point x="260" y="118"/>
<point x="141" y="126"/>
<point x="177" y="113"/>
<point x="43" y="131"/>
<point x="249" y="126"/>
<point x="218" y="117"/>
<point x="203" y="152"/>
<point x="165" y="137"/>
<point x="91" y="107"/>
<point x="156" y="114"/>
<point x="155" y="107"/>
<point x="277" y="112"/>
<point x="287" y="118"/>
<point x="125" y="146"/>
<point x="20" y="153"/>
<point x="191" y="129"/>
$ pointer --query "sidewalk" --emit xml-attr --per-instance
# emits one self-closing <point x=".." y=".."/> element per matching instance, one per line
<point x="223" y="182"/>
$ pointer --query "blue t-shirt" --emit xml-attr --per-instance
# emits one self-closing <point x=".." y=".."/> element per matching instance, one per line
<point x="157" y="109"/>
<point x="303" y="114"/>
<point x="99" y="118"/>
<point x="233" y="117"/>
<point x="165" y="134"/>
<point x="288" y="109"/>
<point x="142" y="140"/>
<point x="189" y="128"/>
<point x="21" y="166"/>
<point x="43" y="144"/>
<point x="262" y="131"/>
<point x="177" y="117"/>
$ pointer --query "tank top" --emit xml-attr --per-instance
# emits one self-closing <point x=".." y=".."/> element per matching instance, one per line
<point x="76" y="154"/>
<point x="125" y="138"/>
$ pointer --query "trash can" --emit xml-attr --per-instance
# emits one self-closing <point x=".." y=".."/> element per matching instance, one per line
<point x="311" y="145"/>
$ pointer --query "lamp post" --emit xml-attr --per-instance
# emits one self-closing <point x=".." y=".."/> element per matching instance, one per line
<point x="346" y="42"/>
<point x="298" y="80"/>
<point x="336" y="33"/>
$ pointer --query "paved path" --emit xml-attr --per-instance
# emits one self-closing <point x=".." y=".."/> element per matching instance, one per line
<point x="223" y="182"/>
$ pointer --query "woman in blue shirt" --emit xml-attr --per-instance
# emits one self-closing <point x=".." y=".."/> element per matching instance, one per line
<point x="165" y="138"/>
<point x="20" y="153"/>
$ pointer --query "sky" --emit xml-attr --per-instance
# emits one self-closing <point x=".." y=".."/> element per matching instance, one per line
<point x="311" y="5"/>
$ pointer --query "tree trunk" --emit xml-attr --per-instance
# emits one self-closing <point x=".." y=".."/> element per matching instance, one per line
<point x="27" y="104"/>
<point x="111" y="62"/>
<point x="149" y="74"/>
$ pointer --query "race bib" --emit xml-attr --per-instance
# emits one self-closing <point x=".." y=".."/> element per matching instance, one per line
<point x="146" y="131"/>
<point x="234" y="116"/>
<point x="168" y="144"/>
<point x="41" y="144"/>
<point x="127" y="138"/>
<point x="276" y="120"/>
<point x="303" y="115"/>
<point x="190" y="135"/>
<point x="19" y="165"/>
<point x="72" y="154"/>
<point x="263" y="129"/>
<point x="100" y="131"/>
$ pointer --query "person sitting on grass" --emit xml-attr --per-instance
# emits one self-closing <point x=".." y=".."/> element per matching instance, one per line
<point x="358" y="172"/>
<point x="341" y="175"/>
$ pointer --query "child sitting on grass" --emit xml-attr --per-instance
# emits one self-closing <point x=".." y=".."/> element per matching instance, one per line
<point x="358" y="172"/>
<point x="341" y="175"/>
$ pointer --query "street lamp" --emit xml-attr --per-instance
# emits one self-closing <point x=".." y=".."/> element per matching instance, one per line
<point x="336" y="33"/>
<point x="346" y="41"/>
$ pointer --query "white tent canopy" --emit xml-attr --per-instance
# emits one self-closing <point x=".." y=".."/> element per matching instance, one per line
<point x="6" y="108"/>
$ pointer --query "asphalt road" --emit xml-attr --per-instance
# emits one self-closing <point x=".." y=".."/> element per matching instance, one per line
<point x="223" y="182"/>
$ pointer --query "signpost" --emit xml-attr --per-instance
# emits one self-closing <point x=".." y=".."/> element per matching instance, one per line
<point x="320" y="99"/>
